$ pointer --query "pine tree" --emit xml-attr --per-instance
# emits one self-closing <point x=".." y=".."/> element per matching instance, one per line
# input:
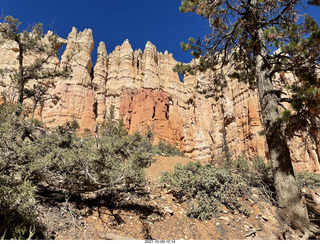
<point x="314" y="2"/>
<point x="259" y="39"/>
<point x="31" y="41"/>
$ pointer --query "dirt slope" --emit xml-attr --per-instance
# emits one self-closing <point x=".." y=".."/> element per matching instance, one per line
<point x="155" y="214"/>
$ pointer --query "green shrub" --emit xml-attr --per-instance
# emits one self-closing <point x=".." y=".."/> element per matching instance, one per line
<point x="308" y="180"/>
<point x="110" y="160"/>
<point x="241" y="162"/>
<point x="261" y="177"/>
<point x="206" y="187"/>
<point x="166" y="149"/>
<point x="263" y="170"/>
<point x="31" y="157"/>
<point x="17" y="194"/>
<point x="258" y="164"/>
<point x="17" y="211"/>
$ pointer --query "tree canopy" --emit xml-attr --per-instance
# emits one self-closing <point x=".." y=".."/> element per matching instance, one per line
<point x="253" y="41"/>
<point x="40" y="70"/>
<point x="292" y="44"/>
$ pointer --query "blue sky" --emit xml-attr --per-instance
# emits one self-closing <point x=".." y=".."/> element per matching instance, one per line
<point x="113" y="21"/>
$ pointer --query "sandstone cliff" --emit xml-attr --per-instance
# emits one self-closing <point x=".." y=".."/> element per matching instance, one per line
<point x="146" y="92"/>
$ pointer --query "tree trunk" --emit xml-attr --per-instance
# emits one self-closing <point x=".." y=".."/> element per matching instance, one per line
<point x="20" y="80"/>
<point x="291" y="206"/>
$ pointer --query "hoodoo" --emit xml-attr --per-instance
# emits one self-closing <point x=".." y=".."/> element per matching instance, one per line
<point x="146" y="92"/>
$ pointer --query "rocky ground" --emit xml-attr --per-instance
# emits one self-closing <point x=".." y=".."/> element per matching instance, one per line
<point x="153" y="213"/>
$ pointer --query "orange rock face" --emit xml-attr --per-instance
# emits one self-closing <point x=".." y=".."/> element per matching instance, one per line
<point x="148" y="108"/>
<point x="145" y="91"/>
<point x="77" y="98"/>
